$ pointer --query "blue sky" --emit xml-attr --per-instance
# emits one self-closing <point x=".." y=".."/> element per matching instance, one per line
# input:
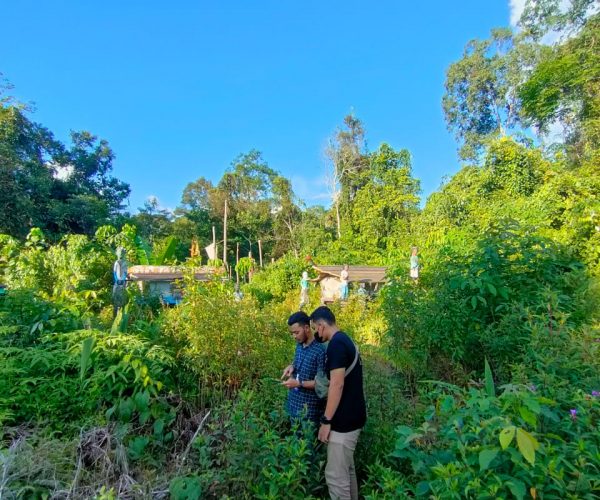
<point x="180" y="88"/>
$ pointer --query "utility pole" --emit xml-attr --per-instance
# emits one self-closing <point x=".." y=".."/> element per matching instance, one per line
<point x="215" y="243"/>
<point x="237" y="261"/>
<point x="225" y="236"/>
<point x="260" y="252"/>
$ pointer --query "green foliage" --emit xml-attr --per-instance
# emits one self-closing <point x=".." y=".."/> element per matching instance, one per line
<point x="46" y="184"/>
<point x="387" y="195"/>
<point x="276" y="280"/>
<point x="474" y="444"/>
<point x="564" y="88"/>
<point x="225" y="343"/>
<point x="481" y="89"/>
<point x="482" y="302"/>
<point x="182" y="401"/>
<point x="246" y="455"/>
<point x="512" y="168"/>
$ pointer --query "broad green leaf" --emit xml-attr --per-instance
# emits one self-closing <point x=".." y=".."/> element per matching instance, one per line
<point x="474" y="301"/>
<point x="87" y="347"/>
<point x="117" y="322"/>
<point x="490" y="389"/>
<point x="422" y="488"/>
<point x="142" y="400"/>
<point x="185" y="488"/>
<point x="528" y="416"/>
<point x="506" y="436"/>
<point x="527" y="445"/>
<point x="486" y="457"/>
<point x="159" y="427"/>
<point x="533" y="405"/>
<point x="517" y="488"/>
<point x="492" y="289"/>
<point x="168" y="252"/>
<point x="137" y="446"/>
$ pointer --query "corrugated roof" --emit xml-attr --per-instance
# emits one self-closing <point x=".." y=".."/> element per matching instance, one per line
<point x="168" y="273"/>
<point x="367" y="274"/>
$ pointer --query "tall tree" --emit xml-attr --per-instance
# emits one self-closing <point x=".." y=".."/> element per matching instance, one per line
<point x="481" y="100"/>
<point x="287" y="216"/>
<point x="45" y="184"/>
<point x="565" y="89"/>
<point x="385" y="206"/>
<point x="346" y="153"/>
<point x="541" y="17"/>
<point x="26" y="182"/>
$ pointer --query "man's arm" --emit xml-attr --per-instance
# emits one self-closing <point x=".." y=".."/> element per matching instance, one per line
<point x="336" y="386"/>
<point x="287" y="371"/>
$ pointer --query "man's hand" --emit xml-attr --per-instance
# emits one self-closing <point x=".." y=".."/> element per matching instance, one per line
<point x="287" y="372"/>
<point x="291" y="383"/>
<point x="324" y="432"/>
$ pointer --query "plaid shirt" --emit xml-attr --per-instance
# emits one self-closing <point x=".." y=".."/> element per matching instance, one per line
<point x="307" y="361"/>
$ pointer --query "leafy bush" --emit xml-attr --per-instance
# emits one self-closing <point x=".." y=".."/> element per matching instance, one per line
<point x="249" y="451"/>
<point x="476" y="444"/>
<point x="277" y="279"/>
<point x="478" y="303"/>
<point x="225" y="343"/>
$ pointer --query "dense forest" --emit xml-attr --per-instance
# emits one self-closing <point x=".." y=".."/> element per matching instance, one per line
<point x="482" y="379"/>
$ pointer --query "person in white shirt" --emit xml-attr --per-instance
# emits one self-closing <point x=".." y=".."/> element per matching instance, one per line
<point x="344" y="283"/>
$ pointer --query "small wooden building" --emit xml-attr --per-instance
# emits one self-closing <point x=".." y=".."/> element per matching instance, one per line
<point x="330" y="282"/>
<point x="161" y="280"/>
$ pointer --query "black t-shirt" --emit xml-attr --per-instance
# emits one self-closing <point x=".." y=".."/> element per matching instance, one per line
<point x="351" y="414"/>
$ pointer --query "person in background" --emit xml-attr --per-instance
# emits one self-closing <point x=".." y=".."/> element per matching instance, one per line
<point x="414" y="264"/>
<point x="237" y="293"/>
<point x="362" y="292"/>
<point x="346" y="412"/>
<point x="344" y="283"/>
<point x="119" y="293"/>
<point x="309" y="358"/>
<point x="304" y="299"/>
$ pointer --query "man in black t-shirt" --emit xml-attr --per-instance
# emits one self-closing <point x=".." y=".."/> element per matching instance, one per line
<point x="345" y="413"/>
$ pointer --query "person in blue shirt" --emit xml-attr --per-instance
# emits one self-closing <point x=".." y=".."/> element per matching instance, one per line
<point x="119" y="293"/>
<point x="299" y="377"/>
<point x="414" y="264"/>
<point x="304" y="299"/>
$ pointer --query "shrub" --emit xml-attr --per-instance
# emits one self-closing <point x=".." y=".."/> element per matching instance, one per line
<point x="476" y="444"/>
<point x="225" y="343"/>
<point x="475" y="304"/>
<point x="277" y="279"/>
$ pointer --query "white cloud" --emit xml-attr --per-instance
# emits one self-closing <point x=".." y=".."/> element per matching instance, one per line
<point x="555" y="133"/>
<point x="516" y="9"/>
<point x="518" y="6"/>
<point x="61" y="172"/>
<point x="155" y="201"/>
<point x="311" y="190"/>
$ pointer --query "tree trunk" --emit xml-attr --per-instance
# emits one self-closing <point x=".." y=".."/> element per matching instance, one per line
<point x="337" y="215"/>
<point x="225" y="236"/>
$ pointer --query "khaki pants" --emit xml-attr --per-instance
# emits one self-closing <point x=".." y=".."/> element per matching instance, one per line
<point x="339" y="472"/>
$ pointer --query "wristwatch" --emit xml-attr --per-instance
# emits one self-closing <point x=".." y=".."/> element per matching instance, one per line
<point x="325" y="420"/>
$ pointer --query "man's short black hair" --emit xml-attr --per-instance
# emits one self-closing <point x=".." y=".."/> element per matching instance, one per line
<point x="299" y="317"/>
<point x="323" y="313"/>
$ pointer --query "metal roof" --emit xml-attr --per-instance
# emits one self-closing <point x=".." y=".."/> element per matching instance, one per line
<point x="168" y="273"/>
<point x="356" y="274"/>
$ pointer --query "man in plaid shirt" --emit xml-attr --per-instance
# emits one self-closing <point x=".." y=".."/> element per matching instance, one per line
<point x="300" y="375"/>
